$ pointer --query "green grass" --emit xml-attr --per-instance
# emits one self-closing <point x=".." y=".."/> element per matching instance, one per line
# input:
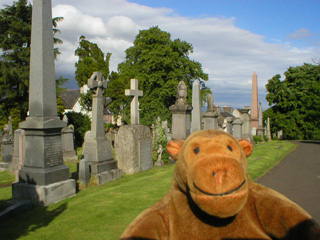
<point x="104" y="212"/>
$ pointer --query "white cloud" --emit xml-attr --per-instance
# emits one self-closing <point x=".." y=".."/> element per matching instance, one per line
<point x="228" y="53"/>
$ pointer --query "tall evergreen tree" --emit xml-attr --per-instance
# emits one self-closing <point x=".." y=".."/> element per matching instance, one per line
<point x="295" y="102"/>
<point x="159" y="63"/>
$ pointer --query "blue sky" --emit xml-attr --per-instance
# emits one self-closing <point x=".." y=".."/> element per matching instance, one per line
<point x="231" y="39"/>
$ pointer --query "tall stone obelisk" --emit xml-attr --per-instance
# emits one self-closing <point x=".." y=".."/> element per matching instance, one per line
<point x="196" y="107"/>
<point x="254" y="102"/>
<point x="43" y="178"/>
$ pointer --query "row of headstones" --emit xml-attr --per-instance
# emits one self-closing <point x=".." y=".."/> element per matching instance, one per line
<point x="12" y="154"/>
<point x="182" y="126"/>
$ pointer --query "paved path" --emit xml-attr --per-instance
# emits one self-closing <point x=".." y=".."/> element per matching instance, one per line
<point x="298" y="177"/>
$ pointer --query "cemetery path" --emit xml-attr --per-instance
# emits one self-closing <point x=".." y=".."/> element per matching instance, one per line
<point x="297" y="177"/>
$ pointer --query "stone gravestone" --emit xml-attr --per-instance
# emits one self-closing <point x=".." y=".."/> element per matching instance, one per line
<point x="133" y="143"/>
<point x="210" y="117"/>
<point x="181" y="114"/>
<point x="196" y="107"/>
<point x="43" y="178"/>
<point x="68" y="150"/>
<point x="17" y="152"/>
<point x="97" y="148"/>
<point x="6" y="147"/>
<point x="260" y="129"/>
<point x="237" y="128"/>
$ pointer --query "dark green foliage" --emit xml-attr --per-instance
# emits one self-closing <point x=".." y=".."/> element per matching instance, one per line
<point x="81" y="124"/>
<point x="159" y="64"/>
<point x="257" y="139"/>
<point x="15" y="41"/>
<point x="295" y="102"/>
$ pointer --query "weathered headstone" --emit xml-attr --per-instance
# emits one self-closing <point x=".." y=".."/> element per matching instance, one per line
<point x="210" y="117"/>
<point x="237" y="128"/>
<point x="43" y="178"/>
<point x="68" y="150"/>
<point x="6" y="153"/>
<point x="97" y="148"/>
<point x="135" y="92"/>
<point x="17" y="152"/>
<point x="229" y="125"/>
<point x="260" y="129"/>
<point x="196" y="107"/>
<point x="84" y="172"/>
<point x="181" y="114"/>
<point x="133" y="143"/>
<point x="134" y="148"/>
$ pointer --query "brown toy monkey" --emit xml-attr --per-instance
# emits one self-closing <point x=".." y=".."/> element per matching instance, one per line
<point x="212" y="197"/>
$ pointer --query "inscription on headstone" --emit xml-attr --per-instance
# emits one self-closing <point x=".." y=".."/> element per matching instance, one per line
<point x="145" y="154"/>
<point x="53" y="151"/>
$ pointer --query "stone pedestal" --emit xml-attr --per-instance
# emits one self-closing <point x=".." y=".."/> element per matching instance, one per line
<point x="260" y="131"/>
<point x="134" y="148"/>
<point x="43" y="195"/>
<point x="210" y="120"/>
<point x="237" y="128"/>
<point x="180" y="121"/>
<point x="68" y="150"/>
<point x="229" y="124"/>
<point x="6" y="154"/>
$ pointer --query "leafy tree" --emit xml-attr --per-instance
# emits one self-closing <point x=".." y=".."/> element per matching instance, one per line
<point x="91" y="59"/>
<point x="295" y="102"/>
<point x="159" y="63"/>
<point x="15" y="39"/>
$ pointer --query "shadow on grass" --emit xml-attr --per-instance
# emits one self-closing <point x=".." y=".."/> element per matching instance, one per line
<point x="30" y="222"/>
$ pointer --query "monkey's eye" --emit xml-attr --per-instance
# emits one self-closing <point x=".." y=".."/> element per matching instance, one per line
<point x="230" y="148"/>
<point x="196" y="150"/>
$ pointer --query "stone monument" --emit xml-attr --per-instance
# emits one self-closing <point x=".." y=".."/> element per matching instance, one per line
<point x="6" y="146"/>
<point x="237" y="128"/>
<point x="17" y="152"/>
<point x="135" y="92"/>
<point x="254" y="102"/>
<point x="268" y="129"/>
<point x="196" y="107"/>
<point x="133" y="143"/>
<point x="43" y="178"/>
<point x="210" y="117"/>
<point x="97" y="148"/>
<point x="68" y="150"/>
<point x="181" y="114"/>
<point x="260" y="129"/>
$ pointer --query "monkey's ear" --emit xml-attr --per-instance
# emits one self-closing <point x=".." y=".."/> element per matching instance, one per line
<point x="246" y="146"/>
<point x="174" y="147"/>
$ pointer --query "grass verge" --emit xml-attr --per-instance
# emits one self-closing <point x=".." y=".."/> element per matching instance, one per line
<point x="104" y="212"/>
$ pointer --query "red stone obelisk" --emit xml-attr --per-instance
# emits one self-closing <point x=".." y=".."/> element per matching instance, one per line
<point x="254" y="102"/>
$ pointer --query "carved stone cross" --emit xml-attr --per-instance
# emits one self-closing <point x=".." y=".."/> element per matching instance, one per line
<point x="135" y="92"/>
<point x="97" y="83"/>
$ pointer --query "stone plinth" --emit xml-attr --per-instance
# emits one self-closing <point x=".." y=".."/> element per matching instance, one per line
<point x="210" y="120"/>
<point x="43" y="195"/>
<point x="68" y="150"/>
<point x="180" y="121"/>
<point x="229" y="124"/>
<point x="134" y="148"/>
<point x="237" y="128"/>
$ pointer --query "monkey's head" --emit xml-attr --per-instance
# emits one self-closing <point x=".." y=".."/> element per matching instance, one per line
<point x="212" y="168"/>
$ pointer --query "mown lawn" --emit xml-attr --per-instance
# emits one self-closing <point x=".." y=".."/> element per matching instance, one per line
<point x="104" y="212"/>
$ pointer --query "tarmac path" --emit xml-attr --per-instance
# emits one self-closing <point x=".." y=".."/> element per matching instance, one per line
<point x="297" y="177"/>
